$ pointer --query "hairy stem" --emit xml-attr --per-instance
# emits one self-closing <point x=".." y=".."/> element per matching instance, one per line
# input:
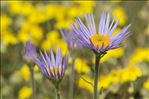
<point x="96" y="77"/>
<point x="33" y="82"/>
<point x="57" y="92"/>
<point x="71" y="79"/>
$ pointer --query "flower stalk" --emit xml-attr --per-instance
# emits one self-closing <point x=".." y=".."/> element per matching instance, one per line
<point x="71" y="79"/>
<point x="33" y="82"/>
<point x="96" y="73"/>
<point x="57" y="91"/>
<point x="96" y="76"/>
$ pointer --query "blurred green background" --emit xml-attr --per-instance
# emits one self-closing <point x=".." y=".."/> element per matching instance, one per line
<point x="124" y="72"/>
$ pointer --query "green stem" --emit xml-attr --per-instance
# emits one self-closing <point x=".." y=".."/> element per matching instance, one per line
<point x="33" y="81"/>
<point x="96" y="76"/>
<point x="57" y="92"/>
<point x="71" y="79"/>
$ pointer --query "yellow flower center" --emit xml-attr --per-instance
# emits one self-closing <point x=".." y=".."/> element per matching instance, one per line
<point x="98" y="39"/>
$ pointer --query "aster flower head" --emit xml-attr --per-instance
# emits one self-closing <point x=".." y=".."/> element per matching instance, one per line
<point x="68" y="36"/>
<point x="101" y="40"/>
<point x="29" y="52"/>
<point x="52" y="66"/>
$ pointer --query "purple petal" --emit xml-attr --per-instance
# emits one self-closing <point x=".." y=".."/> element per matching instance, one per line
<point x="107" y="24"/>
<point x="52" y="57"/>
<point x="29" y="52"/>
<point x="114" y="27"/>
<point x="91" y="24"/>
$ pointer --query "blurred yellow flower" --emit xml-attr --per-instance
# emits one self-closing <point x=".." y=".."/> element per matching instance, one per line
<point x="25" y="92"/>
<point x="30" y="32"/>
<point x="81" y="66"/>
<point x="5" y="21"/>
<point x="86" y="83"/>
<point x="86" y="6"/>
<point x="115" y="53"/>
<point x="51" y="40"/>
<point x="104" y="81"/>
<point x="139" y="55"/>
<point x="146" y="84"/>
<point x="63" y="46"/>
<point x="119" y="12"/>
<point x="25" y="72"/>
<point x="65" y="23"/>
<point x="23" y="36"/>
<point x="16" y="7"/>
<point x="131" y="73"/>
<point x="40" y="12"/>
<point x="46" y="44"/>
<point x="135" y="72"/>
<point x="50" y="10"/>
<point x="60" y="16"/>
<point x="36" y="69"/>
<point x="70" y="60"/>
<point x="8" y="38"/>
<point x="73" y="12"/>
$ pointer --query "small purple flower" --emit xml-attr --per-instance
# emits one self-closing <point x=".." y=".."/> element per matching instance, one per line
<point x="52" y="66"/>
<point x="29" y="52"/>
<point x="101" y="40"/>
<point x="68" y="36"/>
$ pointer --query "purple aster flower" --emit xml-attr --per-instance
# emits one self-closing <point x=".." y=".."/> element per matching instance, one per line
<point x="29" y="52"/>
<point x="68" y="36"/>
<point x="101" y="40"/>
<point x="52" y="66"/>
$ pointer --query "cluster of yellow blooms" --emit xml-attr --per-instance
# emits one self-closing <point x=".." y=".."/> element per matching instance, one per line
<point x="140" y="55"/>
<point x="81" y="66"/>
<point x="28" y="26"/>
<point x="30" y="18"/>
<point x="130" y="73"/>
<point x="7" y="36"/>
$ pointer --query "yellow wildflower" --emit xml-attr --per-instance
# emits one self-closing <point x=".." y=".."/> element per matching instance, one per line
<point x="119" y="12"/>
<point x="60" y="16"/>
<point x="8" y="38"/>
<point x="115" y="53"/>
<point x="46" y="45"/>
<point x="51" y="40"/>
<point x="63" y="46"/>
<point x="146" y="84"/>
<point x="25" y="92"/>
<point x="51" y="10"/>
<point x="86" y="6"/>
<point x="30" y="31"/>
<point x="40" y="12"/>
<point x="140" y="54"/>
<point x="25" y="72"/>
<point x="104" y="81"/>
<point x="5" y="21"/>
<point x="36" y="68"/>
<point x="81" y="66"/>
<point x="131" y="73"/>
<point x="86" y="83"/>
<point x="16" y="8"/>
<point x="64" y="23"/>
<point x="23" y="36"/>
<point x="135" y="72"/>
<point x="73" y="11"/>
